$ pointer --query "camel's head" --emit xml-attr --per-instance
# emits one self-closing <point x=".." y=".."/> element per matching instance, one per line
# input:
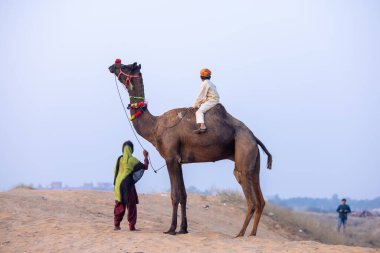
<point x="125" y="73"/>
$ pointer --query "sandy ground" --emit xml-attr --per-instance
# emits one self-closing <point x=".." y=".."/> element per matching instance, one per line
<point x="82" y="221"/>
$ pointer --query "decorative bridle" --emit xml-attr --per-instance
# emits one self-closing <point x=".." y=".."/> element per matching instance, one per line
<point x="128" y="77"/>
<point x="140" y="106"/>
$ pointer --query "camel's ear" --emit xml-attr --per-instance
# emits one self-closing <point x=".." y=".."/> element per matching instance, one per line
<point x="139" y="66"/>
<point x="134" y="65"/>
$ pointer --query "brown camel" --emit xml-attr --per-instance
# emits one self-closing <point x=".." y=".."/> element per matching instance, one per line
<point x="172" y="135"/>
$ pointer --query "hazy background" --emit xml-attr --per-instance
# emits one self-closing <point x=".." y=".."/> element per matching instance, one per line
<point x="303" y="75"/>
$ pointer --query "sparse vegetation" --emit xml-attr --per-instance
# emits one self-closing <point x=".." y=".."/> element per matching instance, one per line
<point x="306" y="225"/>
<point x="228" y="196"/>
<point x="319" y="227"/>
<point x="24" y="186"/>
<point x="322" y="227"/>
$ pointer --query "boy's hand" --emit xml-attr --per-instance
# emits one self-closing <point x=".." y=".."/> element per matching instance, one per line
<point x="145" y="153"/>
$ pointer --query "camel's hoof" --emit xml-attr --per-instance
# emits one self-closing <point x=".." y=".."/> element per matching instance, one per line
<point x="183" y="231"/>
<point x="170" y="232"/>
<point x="239" y="235"/>
<point x="252" y="234"/>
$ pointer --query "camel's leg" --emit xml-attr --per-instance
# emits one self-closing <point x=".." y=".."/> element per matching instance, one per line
<point x="178" y="193"/>
<point x="259" y="208"/>
<point x="244" y="163"/>
<point x="250" y="207"/>
<point x="258" y="195"/>
<point x="182" y="201"/>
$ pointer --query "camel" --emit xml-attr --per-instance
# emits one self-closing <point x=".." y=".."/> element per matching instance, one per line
<point x="173" y="137"/>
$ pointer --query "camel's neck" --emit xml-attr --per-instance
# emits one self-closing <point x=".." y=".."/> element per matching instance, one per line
<point x="145" y="123"/>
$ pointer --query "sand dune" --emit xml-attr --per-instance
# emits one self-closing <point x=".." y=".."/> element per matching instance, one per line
<point x="82" y="221"/>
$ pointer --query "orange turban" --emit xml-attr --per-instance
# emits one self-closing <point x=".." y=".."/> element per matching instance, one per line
<point x="205" y="73"/>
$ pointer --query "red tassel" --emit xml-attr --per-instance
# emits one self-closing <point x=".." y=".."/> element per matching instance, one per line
<point x="135" y="115"/>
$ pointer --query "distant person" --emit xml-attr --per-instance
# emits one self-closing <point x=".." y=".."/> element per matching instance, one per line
<point x="208" y="98"/>
<point x="127" y="172"/>
<point x="343" y="209"/>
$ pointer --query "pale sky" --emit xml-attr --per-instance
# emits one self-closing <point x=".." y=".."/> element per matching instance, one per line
<point x="302" y="75"/>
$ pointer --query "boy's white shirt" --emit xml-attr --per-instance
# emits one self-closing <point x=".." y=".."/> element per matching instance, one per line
<point x="208" y="92"/>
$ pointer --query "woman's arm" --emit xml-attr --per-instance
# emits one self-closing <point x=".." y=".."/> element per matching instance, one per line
<point x="140" y="165"/>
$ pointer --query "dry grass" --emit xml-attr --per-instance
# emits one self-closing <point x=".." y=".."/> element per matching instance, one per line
<point x="228" y="196"/>
<point x="305" y="225"/>
<point x="314" y="226"/>
<point x="24" y="186"/>
<point x="322" y="227"/>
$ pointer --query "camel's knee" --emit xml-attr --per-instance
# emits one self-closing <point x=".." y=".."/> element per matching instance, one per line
<point x="175" y="202"/>
<point x="175" y="197"/>
<point x="263" y="204"/>
<point x="259" y="206"/>
<point x="174" y="161"/>
<point x="183" y="199"/>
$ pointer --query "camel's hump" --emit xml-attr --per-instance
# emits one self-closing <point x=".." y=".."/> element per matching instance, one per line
<point x="217" y="110"/>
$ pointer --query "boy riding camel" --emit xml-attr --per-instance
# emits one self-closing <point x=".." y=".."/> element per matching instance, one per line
<point x="208" y="98"/>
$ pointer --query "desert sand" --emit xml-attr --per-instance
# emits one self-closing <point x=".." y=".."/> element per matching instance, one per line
<point x="82" y="221"/>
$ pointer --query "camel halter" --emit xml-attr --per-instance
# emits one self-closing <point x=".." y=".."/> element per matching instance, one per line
<point x="128" y="77"/>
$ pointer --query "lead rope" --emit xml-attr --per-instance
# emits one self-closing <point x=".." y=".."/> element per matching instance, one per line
<point x="133" y="130"/>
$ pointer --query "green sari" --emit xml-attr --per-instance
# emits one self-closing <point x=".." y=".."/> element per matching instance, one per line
<point x="123" y="168"/>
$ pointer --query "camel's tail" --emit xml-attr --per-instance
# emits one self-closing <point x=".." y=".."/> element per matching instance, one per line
<point x="269" y="162"/>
